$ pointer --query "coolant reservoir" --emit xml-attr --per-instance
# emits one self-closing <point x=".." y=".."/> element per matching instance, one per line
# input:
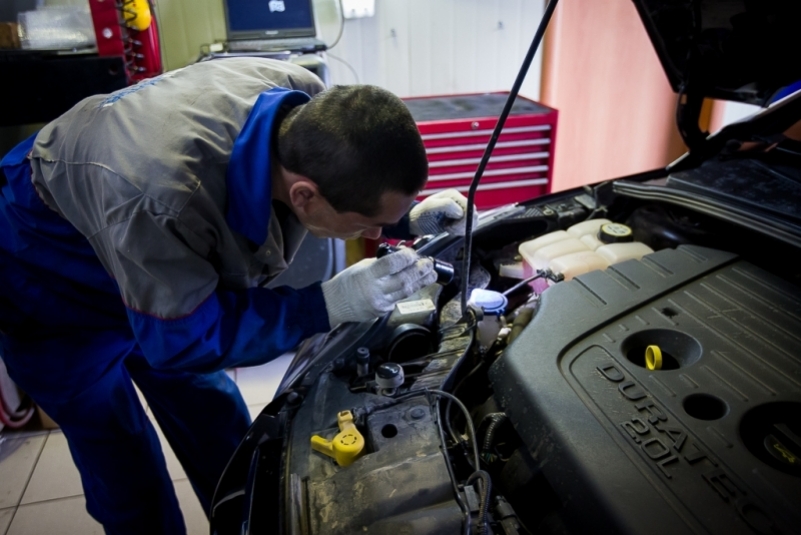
<point x="575" y="264"/>
<point x="585" y="228"/>
<point x="584" y="247"/>
<point x="615" y="253"/>
<point x="591" y="241"/>
<point x="541" y="257"/>
<point x="588" y="232"/>
<point x="528" y="248"/>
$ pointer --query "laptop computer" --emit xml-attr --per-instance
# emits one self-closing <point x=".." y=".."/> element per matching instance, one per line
<point x="271" y="26"/>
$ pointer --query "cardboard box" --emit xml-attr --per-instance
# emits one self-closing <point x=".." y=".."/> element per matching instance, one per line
<point x="9" y="35"/>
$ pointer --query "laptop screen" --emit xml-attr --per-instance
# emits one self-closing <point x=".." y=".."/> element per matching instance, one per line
<point x="253" y="19"/>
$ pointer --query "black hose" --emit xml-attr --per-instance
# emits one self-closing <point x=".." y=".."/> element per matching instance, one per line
<point x="462" y="505"/>
<point x="484" y="490"/>
<point x="524" y="317"/>
<point x="471" y="195"/>
<point x="496" y="419"/>
<point x="539" y="275"/>
<point x="452" y="434"/>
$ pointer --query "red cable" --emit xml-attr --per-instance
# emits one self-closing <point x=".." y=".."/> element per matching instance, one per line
<point x="14" y="419"/>
<point x="11" y="413"/>
<point x="13" y="423"/>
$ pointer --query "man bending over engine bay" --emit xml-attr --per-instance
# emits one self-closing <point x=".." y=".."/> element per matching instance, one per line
<point x="184" y="195"/>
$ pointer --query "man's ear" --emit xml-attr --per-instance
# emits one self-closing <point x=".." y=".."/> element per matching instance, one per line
<point x="303" y="194"/>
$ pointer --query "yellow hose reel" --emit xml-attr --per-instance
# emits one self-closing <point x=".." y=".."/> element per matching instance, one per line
<point x="136" y="14"/>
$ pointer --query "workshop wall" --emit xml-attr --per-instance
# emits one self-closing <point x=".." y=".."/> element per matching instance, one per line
<point x="427" y="47"/>
<point x="411" y="47"/>
<point x="616" y="107"/>
<point x="186" y="25"/>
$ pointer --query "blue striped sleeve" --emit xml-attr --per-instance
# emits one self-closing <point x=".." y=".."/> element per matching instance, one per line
<point x="233" y="328"/>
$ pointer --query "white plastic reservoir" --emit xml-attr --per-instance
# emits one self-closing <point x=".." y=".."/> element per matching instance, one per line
<point x="615" y="253"/>
<point x="584" y="228"/>
<point x="575" y="264"/>
<point x="582" y="248"/>
<point x="541" y="257"/>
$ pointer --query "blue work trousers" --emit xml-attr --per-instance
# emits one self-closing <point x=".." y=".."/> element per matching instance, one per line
<point x="65" y="339"/>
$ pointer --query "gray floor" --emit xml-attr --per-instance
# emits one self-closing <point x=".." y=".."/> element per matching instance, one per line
<point x="40" y="489"/>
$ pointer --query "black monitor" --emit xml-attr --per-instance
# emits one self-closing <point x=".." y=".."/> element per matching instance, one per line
<point x="254" y="19"/>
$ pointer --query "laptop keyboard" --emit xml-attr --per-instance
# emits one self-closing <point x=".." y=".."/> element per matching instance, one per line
<point x="262" y="45"/>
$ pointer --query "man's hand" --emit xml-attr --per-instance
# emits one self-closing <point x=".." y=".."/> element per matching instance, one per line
<point x="371" y="287"/>
<point x="445" y="211"/>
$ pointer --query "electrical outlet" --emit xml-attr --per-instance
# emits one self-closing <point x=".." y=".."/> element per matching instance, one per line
<point x="354" y="9"/>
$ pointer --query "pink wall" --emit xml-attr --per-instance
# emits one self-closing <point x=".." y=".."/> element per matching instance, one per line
<point x="616" y="107"/>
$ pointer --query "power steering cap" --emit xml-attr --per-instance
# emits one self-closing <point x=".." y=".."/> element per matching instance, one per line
<point x="389" y="375"/>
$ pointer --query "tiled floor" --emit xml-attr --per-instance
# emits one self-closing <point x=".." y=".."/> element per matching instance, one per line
<point x="40" y="489"/>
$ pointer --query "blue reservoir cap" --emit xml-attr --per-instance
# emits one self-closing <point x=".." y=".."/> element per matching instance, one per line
<point x="489" y="301"/>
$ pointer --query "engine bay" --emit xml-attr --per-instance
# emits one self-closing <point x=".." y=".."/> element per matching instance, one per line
<point x="546" y="417"/>
<point x="626" y="363"/>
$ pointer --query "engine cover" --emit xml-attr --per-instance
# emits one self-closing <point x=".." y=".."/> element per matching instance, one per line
<point x="709" y="443"/>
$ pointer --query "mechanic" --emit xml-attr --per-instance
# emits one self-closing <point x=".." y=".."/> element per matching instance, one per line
<point x="184" y="195"/>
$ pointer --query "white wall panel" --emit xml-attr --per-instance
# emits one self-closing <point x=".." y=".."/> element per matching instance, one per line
<point x="530" y="14"/>
<point x="425" y="47"/>
<point x="422" y="35"/>
<point x="441" y="27"/>
<point x="465" y="46"/>
<point x="394" y="41"/>
<point x="411" y="47"/>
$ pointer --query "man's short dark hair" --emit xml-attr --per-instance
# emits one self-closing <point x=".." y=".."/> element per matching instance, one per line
<point x="355" y="142"/>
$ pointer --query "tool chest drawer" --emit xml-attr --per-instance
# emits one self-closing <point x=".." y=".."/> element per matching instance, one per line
<point x="456" y="129"/>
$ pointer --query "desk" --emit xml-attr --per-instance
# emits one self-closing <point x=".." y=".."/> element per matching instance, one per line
<point x="315" y="63"/>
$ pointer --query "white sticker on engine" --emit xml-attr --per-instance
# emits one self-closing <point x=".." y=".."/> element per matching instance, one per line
<point x="415" y="307"/>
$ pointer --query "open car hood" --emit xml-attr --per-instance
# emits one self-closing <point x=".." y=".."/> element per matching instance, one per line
<point x="740" y="50"/>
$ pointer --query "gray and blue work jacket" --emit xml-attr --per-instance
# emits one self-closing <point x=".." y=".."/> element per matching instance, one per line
<point x="169" y="181"/>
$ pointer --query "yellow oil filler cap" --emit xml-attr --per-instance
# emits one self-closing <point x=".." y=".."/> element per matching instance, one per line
<point x="347" y="446"/>
<point x="653" y="358"/>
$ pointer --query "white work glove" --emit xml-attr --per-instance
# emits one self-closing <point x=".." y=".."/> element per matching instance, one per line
<point x="371" y="287"/>
<point x="442" y="212"/>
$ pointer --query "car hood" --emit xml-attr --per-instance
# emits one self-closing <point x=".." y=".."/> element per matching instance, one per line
<point x="737" y="50"/>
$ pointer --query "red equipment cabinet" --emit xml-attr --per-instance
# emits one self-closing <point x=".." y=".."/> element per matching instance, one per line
<point x="456" y="129"/>
<point x="116" y="37"/>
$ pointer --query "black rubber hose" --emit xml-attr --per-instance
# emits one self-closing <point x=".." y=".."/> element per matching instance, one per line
<point x="456" y="495"/>
<point x="524" y="317"/>
<point x="496" y="419"/>
<point x="448" y="424"/>
<point x="484" y="490"/>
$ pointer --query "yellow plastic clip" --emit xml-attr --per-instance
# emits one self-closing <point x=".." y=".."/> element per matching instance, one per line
<point x="347" y="446"/>
<point x="653" y="358"/>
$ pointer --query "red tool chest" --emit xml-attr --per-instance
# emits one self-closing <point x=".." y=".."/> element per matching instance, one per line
<point x="456" y="130"/>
